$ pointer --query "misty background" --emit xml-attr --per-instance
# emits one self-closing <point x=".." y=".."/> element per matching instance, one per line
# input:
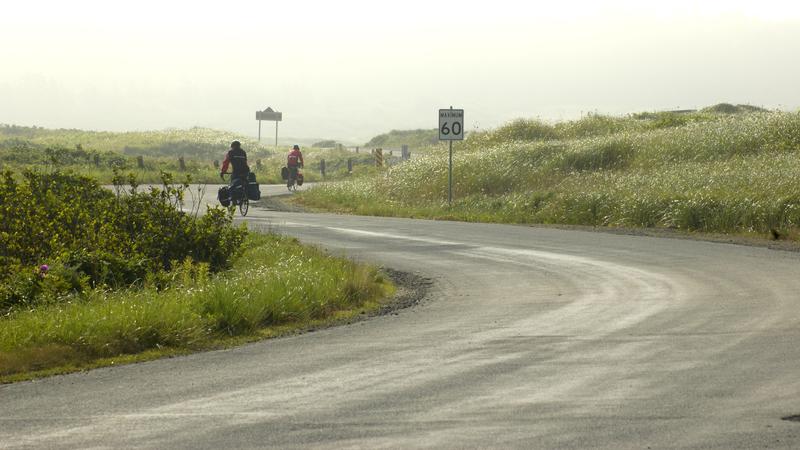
<point x="349" y="70"/>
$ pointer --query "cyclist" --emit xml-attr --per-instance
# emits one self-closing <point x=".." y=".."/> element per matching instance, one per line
<point x="294" y="161"/>
<point x="236" y="157"/>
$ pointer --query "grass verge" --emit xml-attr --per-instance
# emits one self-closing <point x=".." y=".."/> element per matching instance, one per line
<point x="276" y="287"/>
<point x="709" y="172"/>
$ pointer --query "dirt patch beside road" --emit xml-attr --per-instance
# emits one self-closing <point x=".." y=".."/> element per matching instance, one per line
<point x="278" y="203"/>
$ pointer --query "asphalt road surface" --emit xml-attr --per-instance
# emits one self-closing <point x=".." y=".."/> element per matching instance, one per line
<point x="527" y="338"/>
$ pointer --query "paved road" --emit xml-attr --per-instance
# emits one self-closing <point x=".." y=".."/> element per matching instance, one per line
<point x="528" y="338"/>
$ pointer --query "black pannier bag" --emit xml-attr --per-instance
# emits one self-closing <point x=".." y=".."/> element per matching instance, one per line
<point x="224" y="196"/>
<point x="237" y="190"/>
<point x="253" y="192"/>
<point x="285" y="173"/>
<point x="299" y="179"/>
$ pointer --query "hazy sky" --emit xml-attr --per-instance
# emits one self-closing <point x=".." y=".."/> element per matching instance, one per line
<point x="351" y="69"/>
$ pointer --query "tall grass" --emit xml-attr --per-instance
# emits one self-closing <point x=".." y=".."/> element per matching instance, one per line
<point x="708" y="171"/>
<point x="276" y="281"/>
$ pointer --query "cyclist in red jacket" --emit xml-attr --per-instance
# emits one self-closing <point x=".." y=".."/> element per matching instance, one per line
<point x="293" y="162"/>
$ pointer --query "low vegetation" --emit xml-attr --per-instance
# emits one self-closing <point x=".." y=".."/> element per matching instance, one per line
<point x="193" y="143"/>
<point x="275" y="282"/>
<point x="88" y="237"/>
<point x="196" y="153"/>
<point x="730" y="169"/>
<point x="89" y="275"/>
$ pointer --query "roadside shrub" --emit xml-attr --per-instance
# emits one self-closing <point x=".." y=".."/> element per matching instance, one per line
<point x="276" y="281"/>
<point x="90" y="237"/>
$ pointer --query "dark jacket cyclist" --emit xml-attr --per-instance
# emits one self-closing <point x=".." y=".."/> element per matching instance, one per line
<point x="237" y="158"/>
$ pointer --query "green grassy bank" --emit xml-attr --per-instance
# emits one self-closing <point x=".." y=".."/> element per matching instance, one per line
<point x="276" y="285"/>
<point x="724" y="169"/>
<point x="89" y="277"/>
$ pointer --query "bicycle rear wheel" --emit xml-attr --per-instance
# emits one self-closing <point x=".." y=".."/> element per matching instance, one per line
<point x="244" y="206"/>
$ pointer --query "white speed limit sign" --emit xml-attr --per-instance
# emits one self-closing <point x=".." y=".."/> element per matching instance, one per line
<point x="451" y="124"/>
<point x="451" y="128"/>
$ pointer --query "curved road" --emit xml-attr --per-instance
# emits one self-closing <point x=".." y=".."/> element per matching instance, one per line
<point x="528" y="338"/>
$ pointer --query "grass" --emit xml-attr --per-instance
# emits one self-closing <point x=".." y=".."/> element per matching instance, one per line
<point x="276" y="286"/>
<point x="192" y="143"/>
<point x="716" y="170"/>
<point x="413" y="138"/>
<point x="96" y="154"/>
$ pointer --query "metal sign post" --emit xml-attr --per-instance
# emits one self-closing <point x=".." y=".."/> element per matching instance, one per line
<point x="451" y="128"/>
<point x="269" y="114"/>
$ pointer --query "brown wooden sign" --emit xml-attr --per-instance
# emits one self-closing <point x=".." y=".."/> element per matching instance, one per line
<point x="269" y="114"/>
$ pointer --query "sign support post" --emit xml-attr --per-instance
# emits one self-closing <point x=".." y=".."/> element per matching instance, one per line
<point x="450" y="178"/>
<point x="451" y="128"/>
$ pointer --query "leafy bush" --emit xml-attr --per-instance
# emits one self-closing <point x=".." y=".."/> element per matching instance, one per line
<point x="90" y="237"/>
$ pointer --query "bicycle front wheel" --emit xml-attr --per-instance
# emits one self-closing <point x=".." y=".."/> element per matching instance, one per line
<point x="244" y="206"/>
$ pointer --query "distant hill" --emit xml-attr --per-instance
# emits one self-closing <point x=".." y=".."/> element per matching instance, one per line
<point x="412" y="138"/>
<point x="327" y="143"/>
<point x="199" y="143"/>
<point x="727" y="108"/>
